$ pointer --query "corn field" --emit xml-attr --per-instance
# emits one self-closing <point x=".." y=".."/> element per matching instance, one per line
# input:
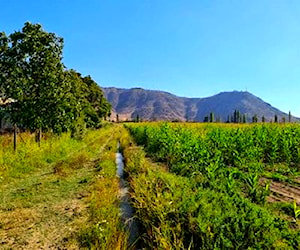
<point x="224" y="186"/>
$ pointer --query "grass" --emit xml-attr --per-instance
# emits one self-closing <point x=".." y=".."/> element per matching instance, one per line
<point x="63" y="195"/>
<point x="153" y="198"/>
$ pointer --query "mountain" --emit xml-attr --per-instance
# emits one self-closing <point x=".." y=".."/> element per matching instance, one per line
<point x="160" y="105"/>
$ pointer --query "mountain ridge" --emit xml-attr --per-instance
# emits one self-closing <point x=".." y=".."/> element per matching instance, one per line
<point x="161" y="105"/>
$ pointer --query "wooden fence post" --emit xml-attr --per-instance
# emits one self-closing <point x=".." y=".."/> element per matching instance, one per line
<point x="15" y="137"/>
<point x="40" y="136"/>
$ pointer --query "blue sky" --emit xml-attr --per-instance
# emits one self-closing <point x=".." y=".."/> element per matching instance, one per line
<point x="189" y="48"/>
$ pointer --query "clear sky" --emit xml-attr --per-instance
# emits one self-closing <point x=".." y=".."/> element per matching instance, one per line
<point x="189" y="48"/>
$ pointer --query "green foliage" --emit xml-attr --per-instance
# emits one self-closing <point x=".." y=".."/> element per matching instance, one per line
<point x="296" y="210"/>
<point x="215" y="181"/>
<point x="45" y="95"/>
<point x="86" y="103"/>
<point x="32" y="74"/>
<point x="243" y="147"/>
<point x="65" y="193"/>
<point x="99" y="107"/>
<point x="211" y="117"/>
<point x="254" y="119"/>
<point x="78" y="129"/>
<point x="179" y="213"/>
<point x="256" y="192"/>
<point x="104" y="229"/>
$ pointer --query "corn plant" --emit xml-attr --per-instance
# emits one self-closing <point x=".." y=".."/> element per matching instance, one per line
<point x="296" y="210"/>
<point x="256" y="192"/>
<point x="222" y="165"/>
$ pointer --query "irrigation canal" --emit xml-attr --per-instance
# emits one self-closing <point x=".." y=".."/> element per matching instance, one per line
<point x="126" y="210"/>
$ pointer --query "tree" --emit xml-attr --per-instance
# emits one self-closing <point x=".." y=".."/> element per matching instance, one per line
<point x="137" y="119"/>
<point x="211" y="117"/>
<point x="76" y="104"/>
<point x="244" y="119"/>
<point x="99" y="107"/>
<point x="254" y="119"/>
<point x="237" y="116"/>
<point x="290" y="116"/>
<point x="275" y="119"/>
<point x="45" y="95"/>
<point x="263" y="119"/>
<point x="86" y="103"/>
<point x="228" y="119"/>
<point x="31" y="72"/>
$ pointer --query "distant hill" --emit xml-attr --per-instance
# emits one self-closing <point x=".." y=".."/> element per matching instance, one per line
<point x="159" y="105"/>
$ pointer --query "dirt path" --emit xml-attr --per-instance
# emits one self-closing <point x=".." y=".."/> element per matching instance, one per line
<point x="46" y="209"/>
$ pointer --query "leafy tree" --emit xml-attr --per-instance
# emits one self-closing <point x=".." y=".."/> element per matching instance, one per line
<point x="86" y="103"/>
<point x="254" y="119"/>
<point x="76" y="102"/>
<point x="98" y="107"/>
<point x="228" y="119"/>
<point x="46" y="95"/>
<point x="31" y="72"/>
<point x="211" y="117"/>
<point x="290" y="116"/>
<point x="236" y="116"/>
<point x="244" y="119"/>
<point x="137" y="119"/>
<point x="276" y="118"/>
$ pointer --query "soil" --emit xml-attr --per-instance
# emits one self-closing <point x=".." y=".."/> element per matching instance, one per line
<point x="283" y="192"/>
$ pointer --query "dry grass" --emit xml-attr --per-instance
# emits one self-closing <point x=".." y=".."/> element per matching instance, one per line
<point x="52" y="207"/>
<point x="41" y="227"/>
<point x="45" y="211"/>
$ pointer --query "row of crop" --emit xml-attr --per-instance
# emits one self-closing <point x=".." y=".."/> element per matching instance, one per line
<point x="189" y="212"/>
<point x="244" y="146"/>
<point x="225" y="158"/>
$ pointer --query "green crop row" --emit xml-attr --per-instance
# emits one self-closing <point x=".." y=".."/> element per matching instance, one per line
<point x="213" y="198"/>
<point x="244" y="147"/>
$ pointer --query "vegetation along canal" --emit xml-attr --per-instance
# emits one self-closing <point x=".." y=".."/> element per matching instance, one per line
<point x="127" y="212"/>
